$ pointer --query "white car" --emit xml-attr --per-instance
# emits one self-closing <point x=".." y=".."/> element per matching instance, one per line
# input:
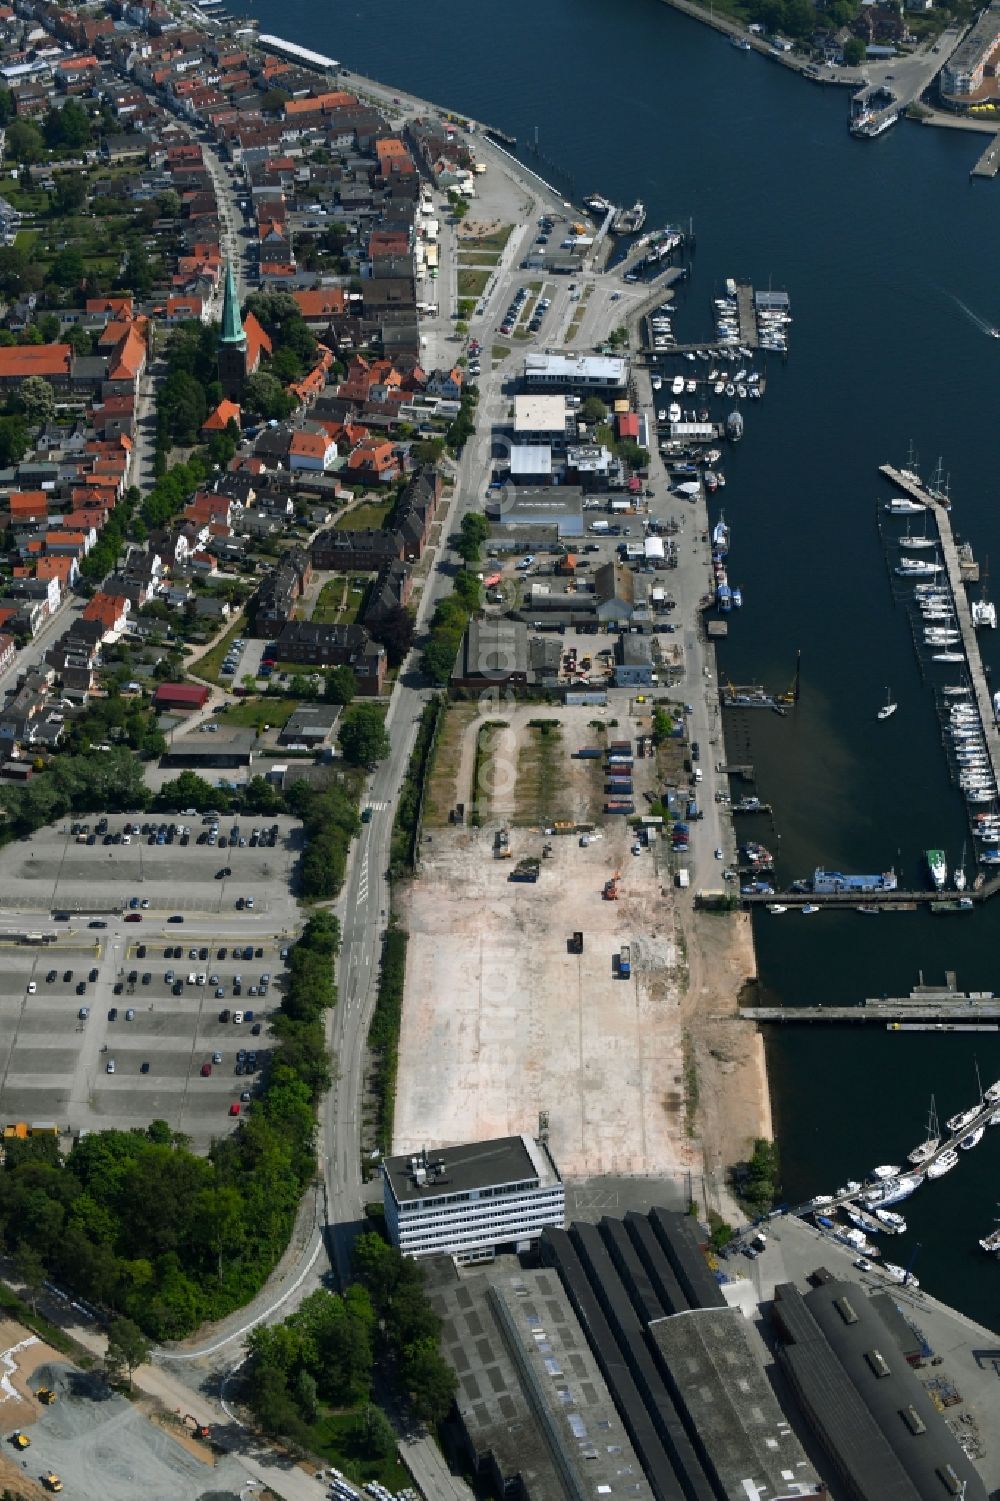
<point x="32" y="987"/>
<point x="237" y="1017"/>
<point x="110" y="1066"/>
<point x="719" y="855"/>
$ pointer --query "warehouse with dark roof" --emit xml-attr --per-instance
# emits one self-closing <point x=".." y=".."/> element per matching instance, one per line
<point x="873" y="1415"/>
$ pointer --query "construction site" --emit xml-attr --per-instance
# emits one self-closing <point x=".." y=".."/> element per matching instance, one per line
<point x="547" y="968"/>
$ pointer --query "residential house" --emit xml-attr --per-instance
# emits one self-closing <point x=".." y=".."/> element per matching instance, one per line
<point x="310" y="644"/>
<point x="110" y="612"/>
<point x="311" y="450"/>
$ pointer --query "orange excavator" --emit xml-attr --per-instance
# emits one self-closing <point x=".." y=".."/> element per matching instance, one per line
<point x="611" y="887"/>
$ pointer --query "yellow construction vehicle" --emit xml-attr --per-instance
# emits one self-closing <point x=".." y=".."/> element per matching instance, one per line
<point x="19" y="1440"/>
<point x="46" y="1395"/>
<point x="52" y="1482"/>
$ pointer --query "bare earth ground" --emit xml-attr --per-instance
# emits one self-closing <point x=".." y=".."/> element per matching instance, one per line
<point x="500" y="1021"/>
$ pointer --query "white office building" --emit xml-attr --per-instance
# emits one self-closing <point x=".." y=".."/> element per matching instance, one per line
<point x="575" y="372"/>
<point x="473" y="1200"/>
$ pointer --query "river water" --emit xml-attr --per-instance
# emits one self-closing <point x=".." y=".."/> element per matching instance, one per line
<point x="874" y="241"/>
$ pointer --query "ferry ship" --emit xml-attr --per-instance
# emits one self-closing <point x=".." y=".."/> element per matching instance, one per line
<point x="662" y="245"/>
<point x="868" y="126"/>
<point x="597" y="204"/>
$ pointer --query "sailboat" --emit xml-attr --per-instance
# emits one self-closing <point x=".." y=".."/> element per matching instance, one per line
<point x="958" y="874"/>
<point x="932" y="1141"/>
<point x="888" y="708"/>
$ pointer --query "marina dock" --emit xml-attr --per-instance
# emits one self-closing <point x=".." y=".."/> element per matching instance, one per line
<point x="956" y="568"/>
<point x="927" y="1004"/>
<point x="988" y="164"/>
<point x="747" y="315"/>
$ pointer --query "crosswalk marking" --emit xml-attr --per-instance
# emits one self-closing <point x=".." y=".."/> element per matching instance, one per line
<point x="379" y="807"/>
<point x="363" y="882"/>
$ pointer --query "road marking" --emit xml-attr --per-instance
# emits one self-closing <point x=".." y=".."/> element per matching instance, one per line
<point x="363" y="882"/>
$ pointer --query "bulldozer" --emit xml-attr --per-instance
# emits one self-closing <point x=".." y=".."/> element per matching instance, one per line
<point x="46" y="1395"/>
<point x="20" y="1440"/>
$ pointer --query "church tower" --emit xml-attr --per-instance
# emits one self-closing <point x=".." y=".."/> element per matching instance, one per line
<point x="232" y="342"/>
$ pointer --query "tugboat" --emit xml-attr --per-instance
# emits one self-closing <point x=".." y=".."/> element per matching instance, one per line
<point x="597" y="204"/>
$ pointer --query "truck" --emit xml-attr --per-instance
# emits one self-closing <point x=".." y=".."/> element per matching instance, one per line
<point x="625" y="961"/>
<point x="619" y="807"/>
<point x="684" y="879"/>
<point x="576" y="943"/>
<point x="588" y="753"/>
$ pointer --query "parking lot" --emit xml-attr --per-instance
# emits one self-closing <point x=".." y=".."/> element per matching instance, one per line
<point x="133" y="1012"/>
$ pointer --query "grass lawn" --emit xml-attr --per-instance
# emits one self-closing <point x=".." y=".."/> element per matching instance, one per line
<point x="332" y="1436"/>
<point x="340" y="599"/>
<point x="250" y="712"/>
<point x="500" y="351"/>
<point x="208" y="666"/>
<point x="25" y="239"/>
<point x="480" y="257"/>
<point x="573" y="330"/>
<point x="495" y="241"/>
<point x="370" y="513"/>
<point x="472" y="283"/>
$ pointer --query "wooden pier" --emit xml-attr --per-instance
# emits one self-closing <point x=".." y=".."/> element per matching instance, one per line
<point x="747" y="316"/>
<point x="988" y="164"/>
<point x="925" y="1004"/>
<point x="954" y="564"/>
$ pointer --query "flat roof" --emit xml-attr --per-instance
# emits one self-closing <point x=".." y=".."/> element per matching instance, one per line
<point x="529" y="1385"/>
<point x="539" y="414"/>
<point x="530" y="458"/>
<point x="477" y="1164"/>
<point x="610" y="369"/>
<point x="714" y="1359"/>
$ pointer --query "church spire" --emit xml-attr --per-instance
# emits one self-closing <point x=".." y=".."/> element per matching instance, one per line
<point x="232" y="324"/>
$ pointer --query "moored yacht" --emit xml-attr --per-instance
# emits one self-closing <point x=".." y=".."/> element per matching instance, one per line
<point x="943" y="1164"/>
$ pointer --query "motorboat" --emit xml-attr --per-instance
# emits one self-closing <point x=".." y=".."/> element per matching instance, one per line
<point x="656" y="382"/>
<point x="972" y="1139"/>
<point x="903" y="506"/>
<point x="808" y="909"/>
<point x="956" y="1123"/>
<point x="991" y="1242"/>
<point x="892" y="1191"/>
<point x="674" y="412"/>
<point x="899" y="1274"/>
<point x="882" y="1174"/>
<point x="776" y="909"/>
<point x="942" y="1164"/>
<point x="677" y="385"/>
<point x="888" y="708"/>
<point x="863" y="1221"/>
<point x="894" y="1223"/>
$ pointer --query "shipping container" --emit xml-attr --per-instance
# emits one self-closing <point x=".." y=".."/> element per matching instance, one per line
<point x="588" y="753"/>
<point x="618" y="807"/>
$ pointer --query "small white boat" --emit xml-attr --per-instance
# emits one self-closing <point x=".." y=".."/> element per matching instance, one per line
<point x="776" y="909"/>
<point x="956" y="1123"/>
<point x="677" y="385"/>
<point x="808" y="909"/>
<point x="888" y="708"/>
<point x="894" y="1223"/>
<point x="656" y="382"/>
<point x="972" y="1139"/>
<point x="943" y="1164"/>
<point x="899" y="1274"/>
<point x="880" y="1174"/>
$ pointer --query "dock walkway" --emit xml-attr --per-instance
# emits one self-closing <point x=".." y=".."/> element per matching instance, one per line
<point x="951" y="556"/>
<point x="747" y="316"/>
<point x="988" y="164"/>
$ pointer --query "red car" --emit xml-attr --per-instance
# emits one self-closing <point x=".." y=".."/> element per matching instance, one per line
<point x="234" y="1108"/>
<point x="206" y="1069"/>
<point x="133" y="917"/>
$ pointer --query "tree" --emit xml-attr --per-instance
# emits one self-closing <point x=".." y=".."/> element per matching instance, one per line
<point x="429" y="1380"/>
<point x="36" y="398"/>
<point x="17" y="273"/>
<point x="24" y="142"/>
<point x="80" y="341"/>
<point x="593" y="410"/>
<point x="395" y="631"/>
<point x="70" y="193"/>
<point x="854" y="52"/>
<point x="49" y="328"/>
<point x="128" y="1348"/>
<point x="341" y="685"/>
<point x="263" y="394"/>
<point x="67" y="268"/>
<point x="31" y="1269"/>
<point x="363" y="737"/>
<point x="68" y="127"/>
<point x="374" y="1434"/>
<point x="473" y="533"/>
